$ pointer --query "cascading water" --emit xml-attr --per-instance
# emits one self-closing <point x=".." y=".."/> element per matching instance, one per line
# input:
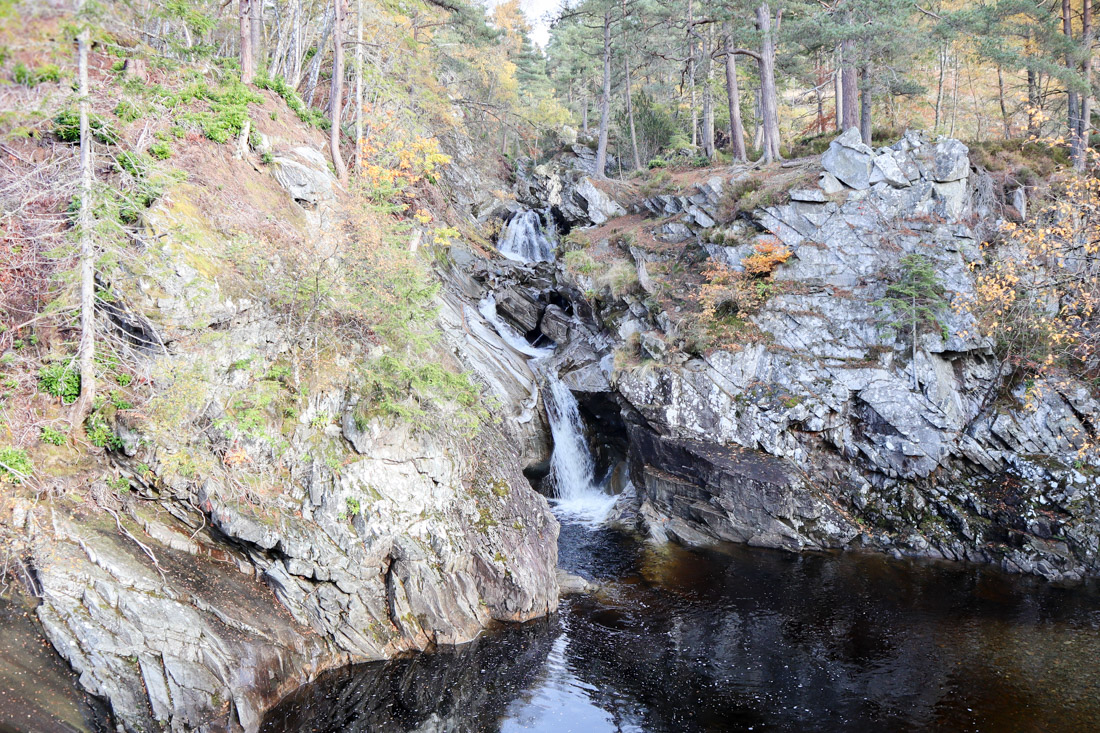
<point x="525" y="240"/>
<point x="572" y="469"/>
<point x="580" y="497"/>
<point x="488" y="309"/>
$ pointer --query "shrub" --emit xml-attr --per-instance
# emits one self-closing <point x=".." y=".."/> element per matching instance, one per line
<point x="160" y="150"/>
<point x="766" y="256"/>
<point x="15" y="465"/>
<point x="21" y="74"/>
<point x="136" y="164"/>
<point x="60" y="380"/>
<point x="658" y="163"/>
<point x="354" y="508"/>
<point x="127" y="111"/>
<point x="67" y="127"/>
<point x="51" y="435"/>
<point x="100" y="433"/>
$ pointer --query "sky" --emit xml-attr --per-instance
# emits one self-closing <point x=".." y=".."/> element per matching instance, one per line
<point x="538" y="14"/>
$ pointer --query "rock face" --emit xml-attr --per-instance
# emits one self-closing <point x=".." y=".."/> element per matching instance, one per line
<point x="849" y="160"/>
<point x="826" y="430"/>
<point x="272" y="528"/>
<point x="304" y="173"/>
<point x="565" y="187"/>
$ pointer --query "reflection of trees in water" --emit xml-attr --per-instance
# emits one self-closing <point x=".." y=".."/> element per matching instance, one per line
<point x="465" y="688"/>
<point x="852" y="642"/>
<point x="686" y="641"/>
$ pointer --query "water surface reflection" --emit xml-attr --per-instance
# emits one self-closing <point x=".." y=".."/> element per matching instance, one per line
<point x="748" y="639"/>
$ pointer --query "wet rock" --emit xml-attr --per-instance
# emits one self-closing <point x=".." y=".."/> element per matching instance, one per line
<point x="555" y="324"/>
<point x="710" y="493"/>
<point x="569" y="584"/>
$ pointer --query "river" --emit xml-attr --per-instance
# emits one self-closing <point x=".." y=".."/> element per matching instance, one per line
<point x="737" y="639"/>
<point x="747" y="639"/>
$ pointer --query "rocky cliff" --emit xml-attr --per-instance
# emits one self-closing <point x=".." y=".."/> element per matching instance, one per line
<point x="816" y="426"/>
<point x="262" y="519"/>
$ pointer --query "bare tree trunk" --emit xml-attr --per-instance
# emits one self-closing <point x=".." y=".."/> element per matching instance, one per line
<point x="758" y="121"/>
<point x="296" y="70"/>
<point x="939" y="88"/>
<point x="838" y="90"/>
<point x="737" y="129"/>
<point x="630" y="103"/>
<point x="850" y="118"/>
<point x="87" y="243"/>
<point x="605" y="100"/>
<point x="358" y="86"/>
<point x="769" y="111"/>
<point x="1001" y="99"/>
<point x="315" y="62"/>
<point x="1074" y="113"/>
<point x="256" y="16"/>
<point x="243" y="7"/>
<point x="955" y="96"/>
<point x="630" y="118"/>
<point x="336" y="95"/>
<point x="691" y="74"/>
<point x="1084" y="122"/>
<point x="708" y="97"/>
<point x="865" y="103"/>
<point x="584" y="122"/>
<point x="1032" y="103"/>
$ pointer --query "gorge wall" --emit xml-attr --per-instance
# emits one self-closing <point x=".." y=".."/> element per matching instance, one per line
<point x="821" y="428"/>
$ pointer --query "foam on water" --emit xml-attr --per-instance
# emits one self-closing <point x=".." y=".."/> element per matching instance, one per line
<point x="488" y="309"/>
<point x="572" y="469"/>
<point x="524" y="239"/>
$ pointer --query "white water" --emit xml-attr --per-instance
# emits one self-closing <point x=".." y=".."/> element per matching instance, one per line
<point x="572" y="469"/>
<point x="488" y="309"/>
<point x="524" y="240"/>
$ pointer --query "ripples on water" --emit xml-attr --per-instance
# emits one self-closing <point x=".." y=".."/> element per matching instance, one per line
<point x="747" y="639"/>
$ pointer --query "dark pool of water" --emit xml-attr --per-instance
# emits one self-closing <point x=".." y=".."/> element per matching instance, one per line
<point x="38" y="691"/>
<point x="747" y="639"/>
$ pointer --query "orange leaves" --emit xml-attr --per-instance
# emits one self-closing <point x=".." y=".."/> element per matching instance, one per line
<point x="1037" y="296"/>
<point x="766" y="256"/>
<point x="392" y="156"/>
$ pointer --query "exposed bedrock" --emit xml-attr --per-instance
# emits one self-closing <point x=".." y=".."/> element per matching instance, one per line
<point x="240" y="562"/>
<point x="826" y="430"/>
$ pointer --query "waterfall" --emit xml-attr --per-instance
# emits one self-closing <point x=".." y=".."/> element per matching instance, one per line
<point x="572" y="469"/>
<point x="488" y="309"/>
<point x="524" y="239"/>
